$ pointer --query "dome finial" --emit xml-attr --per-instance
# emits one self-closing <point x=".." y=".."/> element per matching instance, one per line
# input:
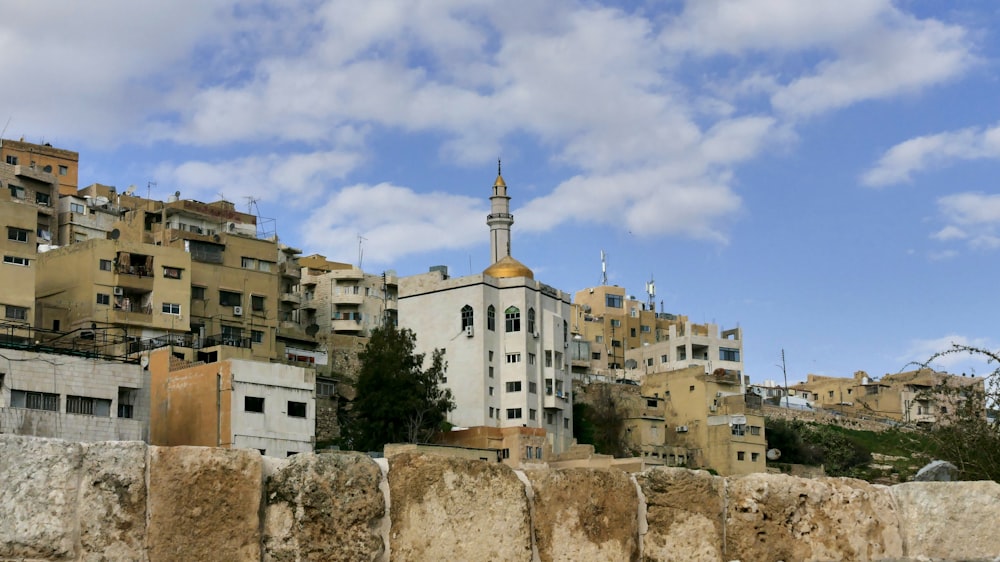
<point x="498" y="167"/>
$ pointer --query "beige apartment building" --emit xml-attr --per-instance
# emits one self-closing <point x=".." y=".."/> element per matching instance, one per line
<point x="26" y="197"/>
<point x="688" y="345"/>
<point x="61" y="164"/>
<point x="142" y="290"/>
<point x="342" y="299"/>
<point x="920" y="396"/>
<point x="688" y="417"/>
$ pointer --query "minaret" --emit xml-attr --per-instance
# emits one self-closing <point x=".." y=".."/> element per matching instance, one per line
<point x="499" y="219"/>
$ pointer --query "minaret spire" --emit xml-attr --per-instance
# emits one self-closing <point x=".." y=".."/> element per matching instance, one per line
<point x="499" y="219"/>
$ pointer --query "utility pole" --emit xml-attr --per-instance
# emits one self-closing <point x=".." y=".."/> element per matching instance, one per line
<point x="784" y="372"/>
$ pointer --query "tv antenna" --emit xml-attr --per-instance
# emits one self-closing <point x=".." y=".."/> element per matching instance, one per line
<point x="604" y="269"/>
<point x="651" y="292"/>
<point x="361" y="249"/>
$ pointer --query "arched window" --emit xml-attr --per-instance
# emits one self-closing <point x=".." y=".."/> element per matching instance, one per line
<point x="531" y="320"/>
<point x="491" y="318"/>
<point x="466" y="316"/>
<point x="513" y="316"/>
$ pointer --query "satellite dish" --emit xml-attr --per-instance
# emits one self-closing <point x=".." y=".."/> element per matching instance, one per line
<point x="773" y="454"/>
<point x="216" y="237"/>
<point x="115" y="234"/>
<point x="312" y="329"/>
<point x="144" y="361"/>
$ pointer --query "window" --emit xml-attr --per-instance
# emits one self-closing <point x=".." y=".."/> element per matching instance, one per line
<point x="513" y="357"/>
<point x="740" y="455"/>
<point x="663" y="358"/>
<point x="257" y="336"/>
<point x="257" y="303"/>
<point x="595" y="355"/>
<point x="248" y="263"/>
<point x="691" y="388"/>
<point x="528" y="450"/>
<point x="88" y="406"/>
<point x="599" y="339"/>
<point x="265" y="265"/>
<point x="103" y="298"/>
<point x="513" y="413"/>
<point x="198" y="293"/>
<point x="105" y="265"/>
<point x="614" y="301"/>
<point x="43" y="199"/>
<point x="514" y="386"/>
<point x="754" y="430"/>
<point x="550" y="418"/>
<point x="548" y="357"/>
<point x="172" y="272"/>
<point x="491" y="391"/>
<point x="17" y="234"/>
<point x="34" y="400"/>
<point x="651" y="402"/>
<point x="63" y="170"/>
<point x="631" y="332"/>
<point x="533" y="387"/>
<point x="467" y="316"/>
<point x="644" y="329"/>
<point x="16" y="192"/>
<point x="615" y="323"/>
<point x="491" y="371"/>
<point x="513" y="318"/>
<point x="531" y="320"/>
<point x="491" y="356"/>
<point x="491" y="412"/>
<point x="77" y="208"/>
<point x="126" y="401"/>
<point x="754" y="457"/>
<point x="531" y="359"/>
<point x="47" y="169"/>
<point x="729" y="354"/>
<point x="830" y="393"/>
<point x="296" y="409"/>
<point x="229" y="298"/>
<point x="171" y="308"/>
<point x="616" y="343"/>
<point x="565" y="424"/>
<point x="739" y="429"/>
<point x="681" y="353"/>
<point x="253" y="404"/>
<point x="16" y="312"/>
<point x="325" y="387"/>
<point x="649" y="361"/>
<point x="12" y="160"/>
<point x="491" y="318"/>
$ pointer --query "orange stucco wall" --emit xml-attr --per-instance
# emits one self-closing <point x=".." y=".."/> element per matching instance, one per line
<point x="192" y="405"/>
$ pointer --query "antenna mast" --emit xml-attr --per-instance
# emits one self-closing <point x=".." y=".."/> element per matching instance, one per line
<point x="651" y="292"/>
<point x="361" y="250"/>
<point x="604" y="269"/>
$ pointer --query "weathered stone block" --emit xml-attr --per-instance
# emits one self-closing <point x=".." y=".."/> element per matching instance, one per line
<point x="684" y="512"/>
<point x="39" y="493"/>
<point x="324" y="507"/>
<point x="779" y="517"/>
<point x="204" y="504"/>
<point x="949" y="520"/>
<point x="455" y="509"/>
<point x="112" y="507"/>
<point x="585" y="514"/>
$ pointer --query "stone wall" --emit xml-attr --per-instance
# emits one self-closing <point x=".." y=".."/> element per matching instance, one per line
<point x="129" y="501"/>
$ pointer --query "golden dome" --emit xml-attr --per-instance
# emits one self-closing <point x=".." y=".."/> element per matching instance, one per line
<point x="508" y="267"/>
<point x="499" y="182"/>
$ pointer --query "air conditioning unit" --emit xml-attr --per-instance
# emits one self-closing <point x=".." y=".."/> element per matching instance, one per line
<point x="469" y="332"/>
<point x="682" y="429"/>
<point x="535" y="335"/>
<point x="712" y="408"/>
<point x="237" y="311"/>
<point x="566" y="344"/>
<point x="119" y="291"/>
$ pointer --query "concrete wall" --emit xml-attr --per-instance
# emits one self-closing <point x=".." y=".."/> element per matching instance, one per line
<point x="129" y="501"/>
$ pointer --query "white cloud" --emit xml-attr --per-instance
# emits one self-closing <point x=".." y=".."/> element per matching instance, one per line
<point x="900" y="162"/>
<point x="973" y="218"/>
<point x="395" y="221"/>
<point x="950" y="232"/>
<point x="920" y="351"/>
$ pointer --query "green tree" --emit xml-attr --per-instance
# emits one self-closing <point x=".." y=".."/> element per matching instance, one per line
<point x="599" y="420"/>
<point x="397" y="399"/>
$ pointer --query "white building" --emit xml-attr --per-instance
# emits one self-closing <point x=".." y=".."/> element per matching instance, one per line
<point x="689" y="345"/>
<point x="71" y="397"/>
<point x="505" y="335"/>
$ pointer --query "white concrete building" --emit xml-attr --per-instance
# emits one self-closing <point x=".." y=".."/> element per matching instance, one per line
<point x="689" y="345"/>
<point x="285" y="422"/>
<point x="73" y="398"/>
<point x="505" y="335"/>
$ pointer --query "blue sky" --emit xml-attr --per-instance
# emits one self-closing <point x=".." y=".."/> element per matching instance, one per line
<point x="821" y="173"/>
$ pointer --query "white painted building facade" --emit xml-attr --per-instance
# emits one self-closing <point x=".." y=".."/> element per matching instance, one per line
<point x="505" y="336"/>
<point x="286" y="421"/>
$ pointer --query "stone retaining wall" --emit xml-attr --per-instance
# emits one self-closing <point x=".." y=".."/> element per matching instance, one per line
<point x="129" y="501"/>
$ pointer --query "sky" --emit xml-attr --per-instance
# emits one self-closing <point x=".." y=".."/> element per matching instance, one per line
<point x="821" y="174"/>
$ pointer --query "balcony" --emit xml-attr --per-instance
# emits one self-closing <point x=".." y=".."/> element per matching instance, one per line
<point x="347" y="274"/>
<point x="290" y="270"/>
<point x="308" y="303"/>
<point x="353" y="299"/>
<point x="346" y="326"/>
<point x="555" y="400"/>
<point x="293" y="298"/>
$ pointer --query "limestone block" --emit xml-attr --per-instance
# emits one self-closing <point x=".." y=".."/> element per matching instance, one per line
<point x="779" y="517"/>
<point x="949" y="520"/>
<point x="684" y="515"/>
<point x="112" y="507"/>
<point x="456" y="509"/>
<point x="324" y="507"/>
<point x="204" y="504"/>
<point x="585" y="514"/>
<point x="39" y="493"/>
